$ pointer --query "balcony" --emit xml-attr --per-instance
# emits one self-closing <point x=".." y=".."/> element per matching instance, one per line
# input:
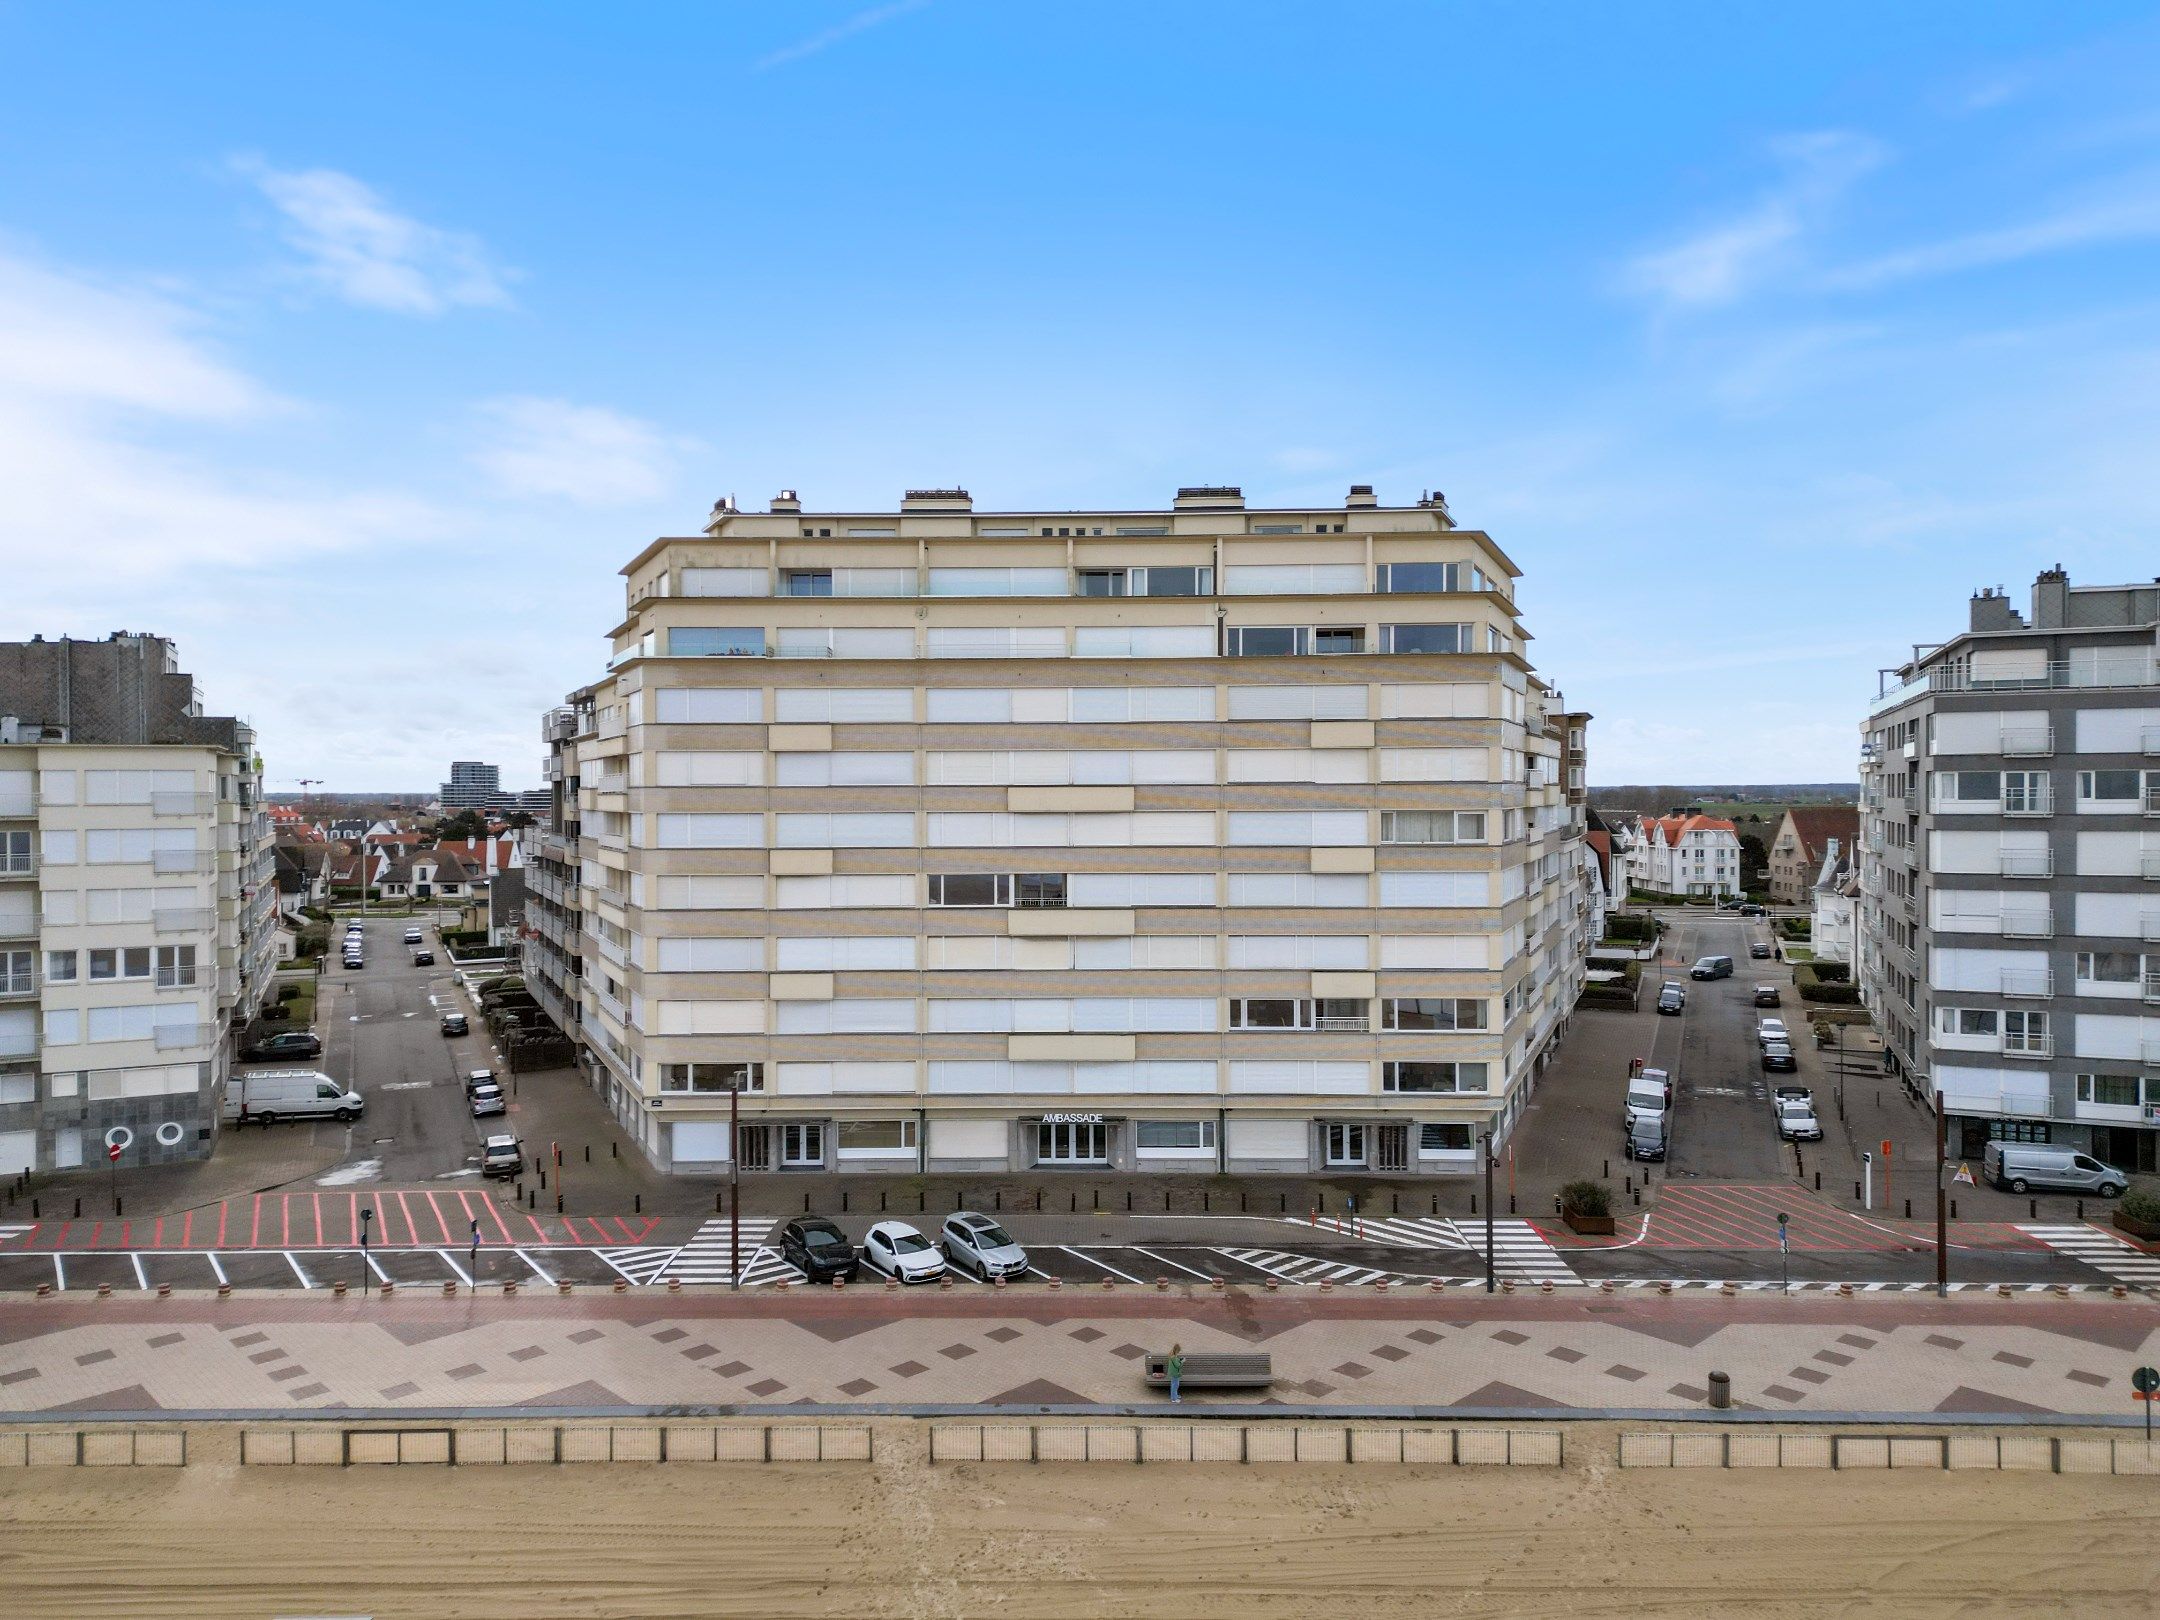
<point x="2028" y="924"/>
<point x="182" y="978"/>
<point x="18" y="984"/>
<point x="173" y="1037"/>
<point x="180" y="862"/>
<point x="2026" y="863"/>
<point x="1348" y="1025"/>
<point x="2150" y="804"/>
<point x="2027" y="983"/>
<point x="2148" y="865"/>
<point x="2028" y="1046"/>
<point x="2149" y="989"/>
<point x="2007" y="1104"/>
<point x="19" y="867"/>
<point x="2029" y="804"/>
<point x="2096" y="667"/>
<point x="182" y="804"/>
<point x="2028" y="741"/>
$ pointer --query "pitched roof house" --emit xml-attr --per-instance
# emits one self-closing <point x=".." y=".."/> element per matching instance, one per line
<point x="1803" y="839"/>
<point x="1685" y="852"/>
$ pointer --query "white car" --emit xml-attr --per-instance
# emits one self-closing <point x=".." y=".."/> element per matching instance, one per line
<point x="898" y="1250"/>
<point x="976" y="1243"/>
<point x="413" y="936"/>
<point x="1770" y="1029"/>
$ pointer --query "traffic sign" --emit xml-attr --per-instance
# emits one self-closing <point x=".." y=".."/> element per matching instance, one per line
<point x="1886" y="1148"/>
<point x="113" y="1152"/>
<point x="2146" y="1381"/>
<point x="1964" y="1174"/>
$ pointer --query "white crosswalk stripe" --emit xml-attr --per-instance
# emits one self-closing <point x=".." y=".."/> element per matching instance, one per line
<point x="1303" y="1269"/>
<point x="1410" y="1232"/>
<point x="2103" y="1251"/>
<point x="639" y="1265"/>
<point x="1520" y="1251"/>
<point x="707" y="1257"/>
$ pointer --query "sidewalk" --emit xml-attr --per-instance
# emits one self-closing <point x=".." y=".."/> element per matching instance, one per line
<point x="874" y="1350"/>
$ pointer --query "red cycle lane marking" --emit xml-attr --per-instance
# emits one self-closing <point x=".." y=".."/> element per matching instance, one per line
<point x="352" y="1217"/>
<point x="94" y="1231"/>
<point x="412" y="1232"/>
<point x="285" y="1220"/>
<point x="127" y="1234"/>
<point x="317" y="1199"/>
<point x="157" y="1234"/>
<point x="439" y="1221"/>
<point x="187" y="1230"/>
<point x="255" y="1225"/>
<point x="496" y="1215"/>
<point x="539" y="1231"/>
<point x="628" y="1235"/>
<point x="223" y="1206"/>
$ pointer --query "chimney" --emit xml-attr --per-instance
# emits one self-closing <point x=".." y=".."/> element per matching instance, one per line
<point x="2051" y="599"/>
<point x="787" y="501"/>
<point x="1209" y="498"/>
<point x="1361" y="495"/>
<point x="1991" y="610"/>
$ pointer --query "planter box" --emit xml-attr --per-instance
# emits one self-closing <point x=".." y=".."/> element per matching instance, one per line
<point x="2148" y="1231"/>
<point x="1588" y="1225"/>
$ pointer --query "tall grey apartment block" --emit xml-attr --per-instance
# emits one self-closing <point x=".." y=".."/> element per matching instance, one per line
<point x="2009" y="945"/>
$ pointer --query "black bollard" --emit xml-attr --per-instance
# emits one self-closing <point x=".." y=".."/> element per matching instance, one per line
<point x="1203" y="1200"/>
<point x="1856" y="1192"/>
<point x="2081" y="1209"/>
<point x="1473" y="1203"/>
<point x="116" y="1207"/>
<point x="33" y="1209"/>
<point x="1128" y="1200"/>
<point x="611" y="1150"/>
<point x="1076" y="1203"/>
<point x="1394" y="1203"/>
<point x="78" y="1209"/>
<point x="588" y="1153"/>
<point x="543" y="1181"/>
<point x="558" y="1203"/>
<point x="999" y="1205"/>
<point x="843" y="1200"/>
<point x="1818" y="1181"/>
<point x="1908" y="1209"/>
<point x="1606" y="1173"/>
<point x="637" y="1203"/>
<point x="1511" y="1203"/>
<point x="1953" y="1209"/>
<point x="2033" y="1210"/>
<point x="717" y="1206"/>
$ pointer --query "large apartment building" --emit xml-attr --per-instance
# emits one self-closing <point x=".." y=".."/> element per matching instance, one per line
<point x="2010" y="870"/>
<point x="138" y="903"/>
<point x="1207" y="838"/>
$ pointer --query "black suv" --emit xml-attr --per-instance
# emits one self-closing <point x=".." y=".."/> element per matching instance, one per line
<point x="817" y="1248"/>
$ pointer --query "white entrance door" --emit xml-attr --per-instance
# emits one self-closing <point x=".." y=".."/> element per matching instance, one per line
<point x="18" y="1152"/>
<point x="1346" y="1145"/>
<point x="67" y="1148"/>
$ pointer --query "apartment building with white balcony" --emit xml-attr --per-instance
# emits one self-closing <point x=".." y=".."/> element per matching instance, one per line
<point x="1190" y="839"/>
<point x="2010" y="870"/>
<point x="138" y="903"/>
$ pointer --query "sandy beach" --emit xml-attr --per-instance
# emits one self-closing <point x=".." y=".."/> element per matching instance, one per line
<point x="902" y="1539"/>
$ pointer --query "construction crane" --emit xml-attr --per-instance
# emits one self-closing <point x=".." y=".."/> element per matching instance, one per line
<point x="307" y="799"/>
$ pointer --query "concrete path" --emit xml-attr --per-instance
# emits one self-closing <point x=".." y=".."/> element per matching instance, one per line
<point x="285" y="1354"/>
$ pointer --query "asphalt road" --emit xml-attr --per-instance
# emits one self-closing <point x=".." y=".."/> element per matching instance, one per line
<point x="1722" y="1130"/>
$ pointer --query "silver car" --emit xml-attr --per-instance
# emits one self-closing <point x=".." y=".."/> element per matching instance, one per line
<point x="976" y="1243"/>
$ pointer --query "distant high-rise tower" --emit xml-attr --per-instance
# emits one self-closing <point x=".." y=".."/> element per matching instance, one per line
<point x="472" y="785"/>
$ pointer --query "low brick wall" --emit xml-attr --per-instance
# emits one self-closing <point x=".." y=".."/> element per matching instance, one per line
<point x="2101" y="1454"/>
<point x="438" y="1445"/>
<point x="1287" y="1442"/>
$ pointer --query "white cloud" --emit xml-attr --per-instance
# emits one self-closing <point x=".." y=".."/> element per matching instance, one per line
<point x="367" y="253"/>
<point x="534" y="448"/>
<point x="846" y="28"/>
<point x="1725" y="261"/>
<point x="2131" y="214"/>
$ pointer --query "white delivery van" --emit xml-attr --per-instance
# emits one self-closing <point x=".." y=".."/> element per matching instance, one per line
<point x="265" y="1098"/>
<point x="1645" y="1095"/>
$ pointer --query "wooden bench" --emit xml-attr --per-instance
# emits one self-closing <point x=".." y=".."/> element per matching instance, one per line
<point x="1219" y="1370"/>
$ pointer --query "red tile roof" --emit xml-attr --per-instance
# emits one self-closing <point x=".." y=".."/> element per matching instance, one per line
<point x="1671" y="829"/>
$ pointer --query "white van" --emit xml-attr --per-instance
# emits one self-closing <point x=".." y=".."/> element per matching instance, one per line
<point x="267" y="1097"/>
<point x="1645" y="1095"/>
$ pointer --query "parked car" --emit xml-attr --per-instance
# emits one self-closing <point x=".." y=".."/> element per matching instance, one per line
<point x="1648" y="1135"/>
<point x="1771" y="1029"/>
<point x="413" y="936"/>
<point x="1671" y="999"/>
<point x="2022" y="1166"/>
<point x="817" y="1248"/>
<point x="1711" y="967"/>
<point x="976" y="1243"/>
<point x="423" y="958"/>
<point x="1647" y="1093"/>
<point x="487" y="1100"/>
<point x="1794" y="1108"/>
<point x="290" y="1043"/>
<point x="1760" y="950"/>
<point x="501" y="1156"/>
<point x="454" y="1023"/>
<point x="1777" y="1057"/>
<point x="1751" y="909"/>
<point x="477" y="1078"/>
<point x="353" y="961"/>
<point x="1766" y="995"/>
<point x="898" y="1250"/>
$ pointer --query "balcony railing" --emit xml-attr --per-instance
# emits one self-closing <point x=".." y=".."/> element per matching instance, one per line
<point x="2028" y="804"/>
<point x="2151" y="803"/>
<point x="177" y="979"/>
<point x="2149" y="989"/>
<point x="171" y="1037"/>
<point x="2027" y="863"/>
<point x="2008" y="1104"/>
<point x="182" y="804"/>
<point x="1356" y="1025"/>
<point x="2098" y="667"/>
<point x="2028" y="1046"/>
<point x="2148" y="864"/>
<point x="174" y="862"/>
<point x="2031" y="983"/>
<point x="2022" y="924"/>
<point x="25" y="866"/>
<point x="18" y="984"/>
<point x="2028" y="741"/>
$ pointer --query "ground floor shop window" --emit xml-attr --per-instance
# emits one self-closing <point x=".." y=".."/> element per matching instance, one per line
<point x="1072" y="1142"/>
<point x="877" y="1138"/>
<point x="1345" y="1144"/>
<point x="1435" y="1140"/>
<point x="1174" y="1138"/>
<point x="802" y="1145"/>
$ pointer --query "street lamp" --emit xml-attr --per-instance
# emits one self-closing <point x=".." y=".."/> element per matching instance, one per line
<point x="366" y="1215"/>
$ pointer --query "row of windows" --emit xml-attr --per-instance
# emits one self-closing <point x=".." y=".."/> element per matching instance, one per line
<point x="1085" y="705"/>
<point x="2017" y="792"/>
<point x="1062" y="768"/>
<point x="1060" y="1015"/>
<point x="1081" y="641"/>
<point x="1080" y="829"/>
<point x="1155" y="579"/>
<point x="173" y="966"/>
<point x="1407" y="1078"/>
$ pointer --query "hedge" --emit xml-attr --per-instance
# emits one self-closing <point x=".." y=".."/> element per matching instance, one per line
<point x="1807" y="978"/>
<point x="1651" y="897"/>
<point x="1832" y="972"/>
<point x="1797" y="927"/>
<point x="1634" y="928"/>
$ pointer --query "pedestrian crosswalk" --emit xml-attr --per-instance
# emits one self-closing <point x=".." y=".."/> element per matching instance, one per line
<point x="1303" y="1269"/>
<point x="2103" y="1251"/>
<point x="1520" y="1251"/>
<point x="708" y="1256"/>
<point x="639" y="1265"/>
<point x="1414" y="1232"/>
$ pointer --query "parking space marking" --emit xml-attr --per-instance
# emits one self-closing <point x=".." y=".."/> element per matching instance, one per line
<point x="293" y="1261"/>
<point x="450" y="1260"/>
<point x="142" y="1280"/>
<point x="709" y="1255"/>
<point x="1204" y="1276"/>
<point x="1091" y="1260"/>
<point x="538" y="1270"/>
<point x="217" y="1269"/>
<point x="637" y="1266"/>
<point x="2103" y="1251"/>
<point x="59" y="1272"/>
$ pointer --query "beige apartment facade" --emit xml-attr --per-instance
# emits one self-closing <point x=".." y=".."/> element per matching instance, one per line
<point x="137" y="904"/>
<point x="1188" y="840"/>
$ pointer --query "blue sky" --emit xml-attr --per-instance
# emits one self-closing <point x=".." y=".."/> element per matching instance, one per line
<point x="358" y="348"/>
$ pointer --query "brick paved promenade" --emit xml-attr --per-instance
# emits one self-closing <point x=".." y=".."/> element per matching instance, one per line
<point x="2037" y="1355"/>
